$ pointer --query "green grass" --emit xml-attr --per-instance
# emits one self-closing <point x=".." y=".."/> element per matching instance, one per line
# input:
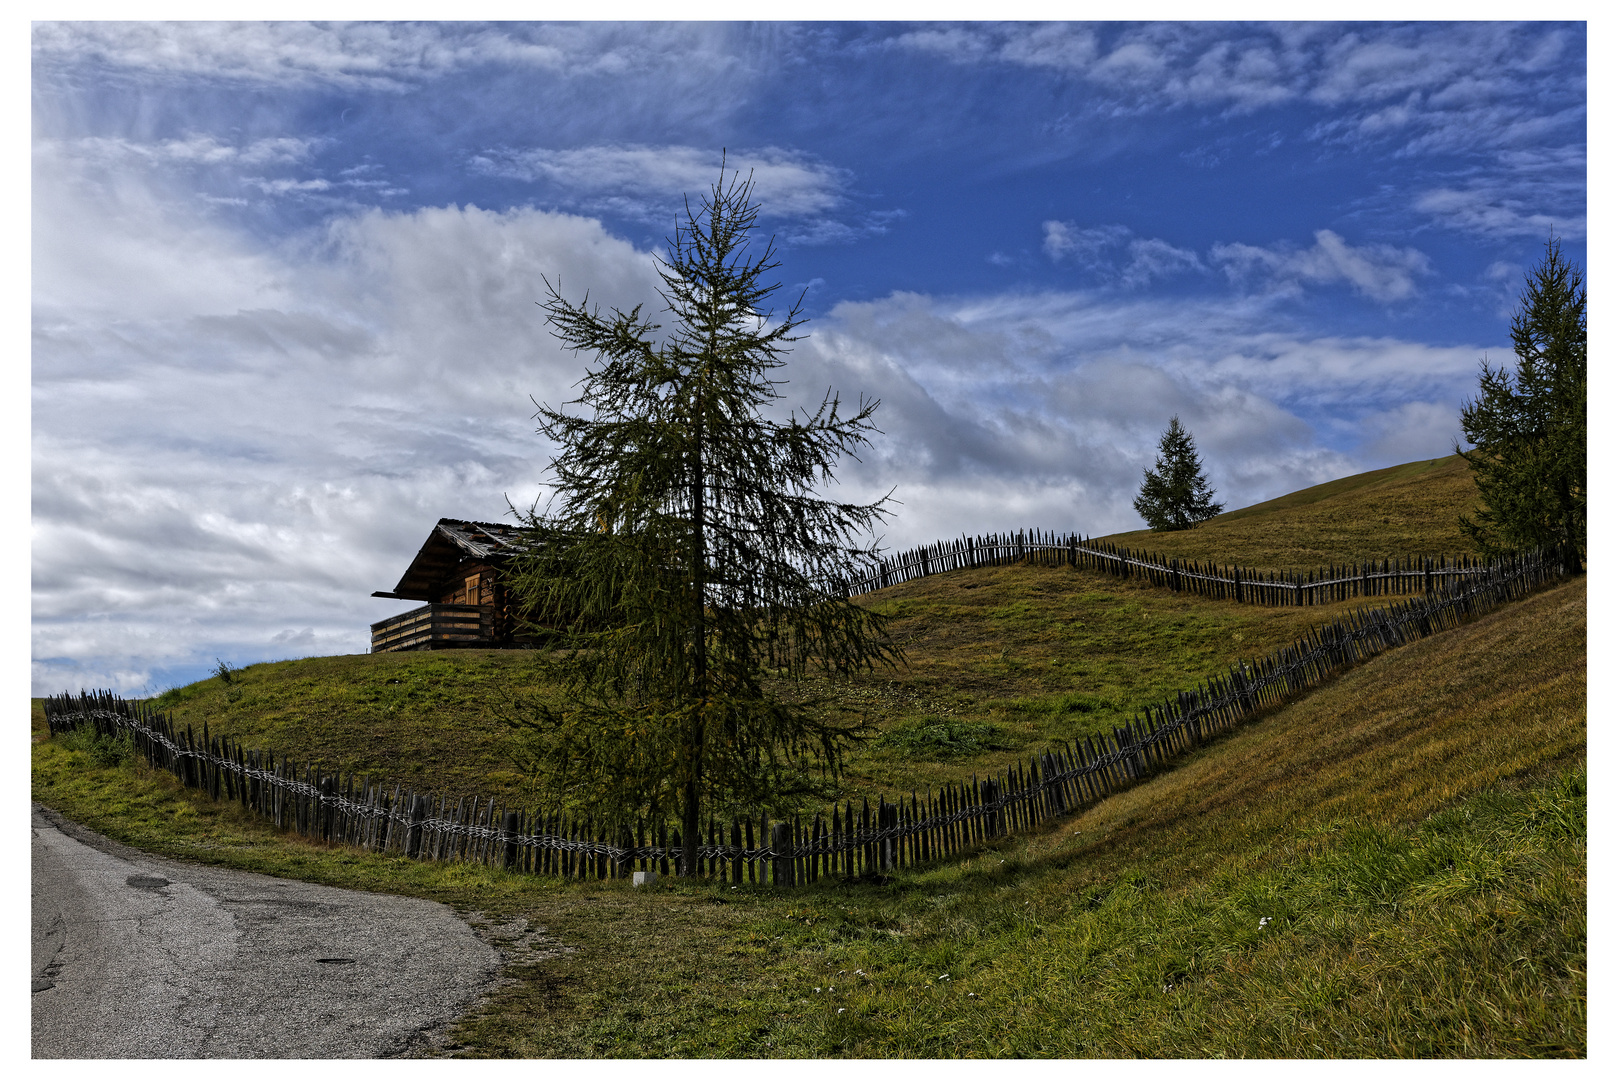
<point x="1411" y="838"/>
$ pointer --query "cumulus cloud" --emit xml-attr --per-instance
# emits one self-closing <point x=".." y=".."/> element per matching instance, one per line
<point x="1379" y="271"/>
<point x="234" y="444"/>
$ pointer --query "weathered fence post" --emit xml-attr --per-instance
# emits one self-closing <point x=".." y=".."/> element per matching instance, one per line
<point x="781" y="859"/>
<point x="509" y="833"/>
<point x="418" y="814"/>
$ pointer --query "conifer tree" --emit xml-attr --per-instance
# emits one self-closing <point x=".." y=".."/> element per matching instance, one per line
<point x="1528" y="427"/>
<point x="1176" y="495"/>
<point x="687" y="560"/>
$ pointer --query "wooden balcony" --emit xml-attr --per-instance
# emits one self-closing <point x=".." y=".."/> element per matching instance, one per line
<point x="436" y="626"/>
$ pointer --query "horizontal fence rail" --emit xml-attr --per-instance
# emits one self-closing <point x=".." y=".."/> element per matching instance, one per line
<point x="1387" y="577"/>
<point x="840" y="842"/>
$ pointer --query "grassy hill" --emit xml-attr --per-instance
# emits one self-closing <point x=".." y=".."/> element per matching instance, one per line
<point x="1001" y="661"/>
<point x="1393" y="866"/>
<point x="1408" y="509"/>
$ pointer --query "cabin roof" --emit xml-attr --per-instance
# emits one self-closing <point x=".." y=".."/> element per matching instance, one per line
<point x="451" y="543"/>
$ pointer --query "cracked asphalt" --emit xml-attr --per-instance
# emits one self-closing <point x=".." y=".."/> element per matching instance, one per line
<point x="136" y="956"/>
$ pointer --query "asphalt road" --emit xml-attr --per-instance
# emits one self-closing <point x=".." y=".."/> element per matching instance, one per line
<point x="136" y="956"/>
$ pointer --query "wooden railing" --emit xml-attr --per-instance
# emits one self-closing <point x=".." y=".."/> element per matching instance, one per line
<point x="435" y="625"/>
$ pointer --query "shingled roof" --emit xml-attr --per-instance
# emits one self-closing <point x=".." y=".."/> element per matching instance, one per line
<point x="450" y="543"/>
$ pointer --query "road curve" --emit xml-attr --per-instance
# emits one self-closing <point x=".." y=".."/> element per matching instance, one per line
<point x="136" y="956"/>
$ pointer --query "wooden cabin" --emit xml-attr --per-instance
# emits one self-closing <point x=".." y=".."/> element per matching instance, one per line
<point x="457" y="575"/>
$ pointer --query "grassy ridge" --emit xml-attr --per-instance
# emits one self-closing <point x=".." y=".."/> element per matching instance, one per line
<point x="1409" y="509"/>
<point x="1392" y="866"/>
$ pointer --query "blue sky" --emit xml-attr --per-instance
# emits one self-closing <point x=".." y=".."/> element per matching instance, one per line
<point x="283" y="274"/>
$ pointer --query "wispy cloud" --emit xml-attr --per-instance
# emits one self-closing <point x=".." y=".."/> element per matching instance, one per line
<point x="235" y="443"/>
<point x="653" y="184"/>
<point x="1379" y="271"/>
<point x="787" y="183"/>
<point x="1525" y="193"/>
<point x="374" y="55"/>
<point x="1114" y="253"/>
<point x="1431" y="87"/>
<point x="196" y="149"/>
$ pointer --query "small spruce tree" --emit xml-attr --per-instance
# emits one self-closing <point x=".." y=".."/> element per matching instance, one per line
<point x="1528" y="427"/>
<point x="1176" y="495"/>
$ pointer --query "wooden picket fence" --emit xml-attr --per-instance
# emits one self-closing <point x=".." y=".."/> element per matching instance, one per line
<point x="1388" y="577"/>
<point x="841" y="842"/>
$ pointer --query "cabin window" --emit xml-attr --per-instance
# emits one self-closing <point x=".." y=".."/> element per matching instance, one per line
<point x="473" y="590"/>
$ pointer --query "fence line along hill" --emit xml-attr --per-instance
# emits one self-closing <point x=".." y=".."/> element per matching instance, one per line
<point x="1389" y="577"/>
<point x="841" y="841"/>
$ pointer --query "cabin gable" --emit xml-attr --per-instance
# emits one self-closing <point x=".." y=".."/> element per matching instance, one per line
<point x="459" y="574"/>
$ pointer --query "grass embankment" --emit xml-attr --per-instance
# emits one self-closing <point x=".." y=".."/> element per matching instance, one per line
<point x="1392" y="866"/>
<point x="1409" y="509"/>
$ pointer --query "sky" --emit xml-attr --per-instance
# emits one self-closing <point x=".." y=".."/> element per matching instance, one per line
<point x="284" y="275"/>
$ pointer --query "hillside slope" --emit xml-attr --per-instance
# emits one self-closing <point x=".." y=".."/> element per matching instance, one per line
<point x="1408" y="509"/>
<point x="1001" y="661"/>
<point x="1392" y="866"/>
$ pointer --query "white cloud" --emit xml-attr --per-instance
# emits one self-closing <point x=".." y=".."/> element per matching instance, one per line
<point x="288" y="187"/>
<point x="1495" y="210"/>
<point x="1412" y="431"/>
<point x="374" y="55"/>
<point x="1433" y="87"/>
<point x="129" y="244"/>
<point x="1064" y="239"/>
<point x="1151" y="259"/>
<point x="1379" y="271"/>
<point x="234" y="445"/>
<point x="1016" y="410"/>
<point x="1114" y="253"/>
<point x="194" y="149"/>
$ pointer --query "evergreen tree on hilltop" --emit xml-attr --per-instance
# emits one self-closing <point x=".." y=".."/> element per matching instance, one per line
<point x="1528" y="428"/>
<point x="1176" y="495"/>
